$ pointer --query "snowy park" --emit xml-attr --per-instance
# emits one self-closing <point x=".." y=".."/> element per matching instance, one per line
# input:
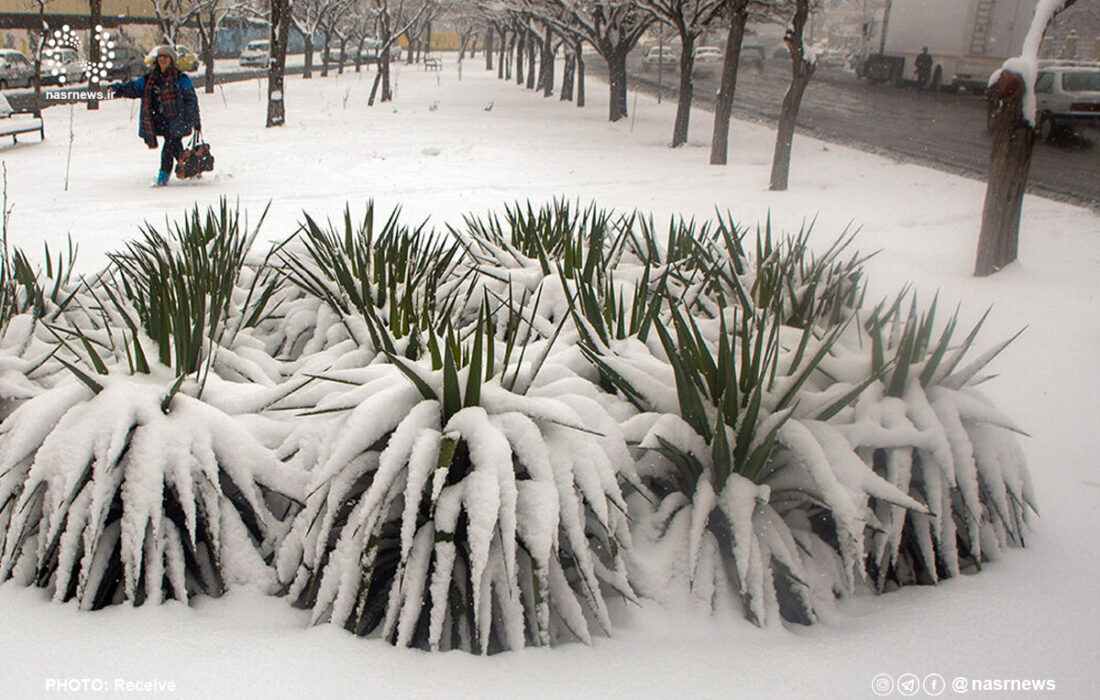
<point x="633" y="595"/>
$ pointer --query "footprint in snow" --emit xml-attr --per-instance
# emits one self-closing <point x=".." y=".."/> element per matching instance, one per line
<point x="432" y="151"/>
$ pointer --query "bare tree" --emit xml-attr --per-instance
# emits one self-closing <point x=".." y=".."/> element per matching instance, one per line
<point x="209" y="19"/>
<point x="393" y="20"/>
<point x="331" y="21"/>
<point x="737" y="14"/>
<point x="689" y="18"/>
<point x="307" y="16"/>
<point x="1013" y="141"/>
<point x="172" y="15"/>
<point x="40" y="44"/>
<point x="359" y="26"/>
<point x="802" y="69"/>
<point x="613" y="27"/>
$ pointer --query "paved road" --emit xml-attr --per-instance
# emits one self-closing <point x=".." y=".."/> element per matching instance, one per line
<point x="944" y="130"/>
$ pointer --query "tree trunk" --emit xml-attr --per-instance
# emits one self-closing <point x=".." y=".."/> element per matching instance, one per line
<point x="307" y="72"/>
<point x="343" y="56"/>
<point x="801" y="72"/>
<point x="359" y="53"/>
<point x="326" y="56"/>
<point x="280" y="31"/>
<point x="521" y="43"/>
<point x="384" y="71"/>
<point x="208" y="57"/>
<point x="687" y="89"/>
<point x="1009" y="162"/>
<point x="374" y="88"/>
<point x="578" y="47"/>
<point x="503" y="64"/>
<point x="616" y="72"/>
<point x="567" y="77"/>
<point x="548" y="64"/>
<point x="38" y="60"/>
<point x="784" y="137"/>
<point x="489" y="48"/>
<point x="533" y="42"/>
<point x="723" y="105"/>
<point x="96" y="17"/>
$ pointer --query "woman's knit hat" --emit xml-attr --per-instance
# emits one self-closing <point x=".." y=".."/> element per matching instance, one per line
<point x="167" y="51"/>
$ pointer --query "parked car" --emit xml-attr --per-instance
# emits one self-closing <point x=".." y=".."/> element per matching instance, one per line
<point x="709" y="54"/>
<point x="185" y="58"/>
<point x="16" y="70"/>
<point x="751" y="56"/>
<point x="660" y="56"/>
<point x="256" y="54"/>
<point x="708" y="59"/>
<point x="1066" y="96"/>
<point x="61" y="67"/>
<point x="127" y="63"/>
<point x="831" y="59"/>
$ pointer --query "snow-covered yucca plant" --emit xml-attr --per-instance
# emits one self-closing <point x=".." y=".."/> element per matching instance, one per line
<point x="380" y="286"/>
<point x="30" y="300"/>
<point x="781" y="273"/>
<point x="927" y="428"/>
<point x="122" y="483"/>
<point x="736" y="477"/>
<point x="455" y="513"/>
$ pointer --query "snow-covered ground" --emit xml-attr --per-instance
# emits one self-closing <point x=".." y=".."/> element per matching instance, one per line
<point x="448" y="146"/>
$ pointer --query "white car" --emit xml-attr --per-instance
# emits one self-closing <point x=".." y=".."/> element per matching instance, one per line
<point x="709" y="54"/>
<point x="1066" y="96"/>
<point x="256" y="54"/>
<point x="16" y="70"/>
<point x="660" y="56"/>
<point x="707" y="59"/>
<point x="61" y="67"/>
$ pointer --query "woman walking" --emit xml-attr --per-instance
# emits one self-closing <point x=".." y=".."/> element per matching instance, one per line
<point x="169" y="108"/>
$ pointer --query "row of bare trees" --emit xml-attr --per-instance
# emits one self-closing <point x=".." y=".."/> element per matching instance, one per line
<point x="350" y="24"/>
<point x="532" y="32"/>
<point x="613" y="27"/>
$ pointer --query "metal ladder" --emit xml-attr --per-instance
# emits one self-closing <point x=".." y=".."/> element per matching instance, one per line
<point x="983" y="22"/>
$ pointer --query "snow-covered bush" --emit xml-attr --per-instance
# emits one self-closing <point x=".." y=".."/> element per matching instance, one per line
<point x="121" y="483"/>
<point x="491" y="438"/>
<point x="926" y="428"/>
<point x="461" y="531"/>
<point x="30" y="300"/>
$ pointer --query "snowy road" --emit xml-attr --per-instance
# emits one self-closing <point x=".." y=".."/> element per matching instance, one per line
<point x="946" y="131"/>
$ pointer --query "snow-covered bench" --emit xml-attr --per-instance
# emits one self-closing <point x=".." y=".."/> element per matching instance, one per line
<point x="11" y="125"/>
<point x="433" y="63"/>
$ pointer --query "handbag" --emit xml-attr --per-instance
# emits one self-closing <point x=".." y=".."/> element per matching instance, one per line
<point x="194" y="160"/>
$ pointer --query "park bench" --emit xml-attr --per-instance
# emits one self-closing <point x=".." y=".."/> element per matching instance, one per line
<point x="433" y="63"/>
<point x="11" y="125"/>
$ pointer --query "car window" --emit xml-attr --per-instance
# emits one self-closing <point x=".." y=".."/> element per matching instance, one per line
<point x="1081" y="82"/>
<point x="1044" y="82"/>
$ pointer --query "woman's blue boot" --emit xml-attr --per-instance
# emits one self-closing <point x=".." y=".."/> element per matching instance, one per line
<point x="162" y="179"/>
